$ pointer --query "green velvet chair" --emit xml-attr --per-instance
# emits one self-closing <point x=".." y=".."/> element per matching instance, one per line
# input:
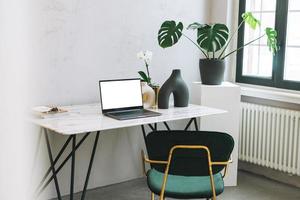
<point x="187" y="164"/>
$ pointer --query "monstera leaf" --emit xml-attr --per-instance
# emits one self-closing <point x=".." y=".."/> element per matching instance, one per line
<point x="195" y="25"/>
<point x="169" y="33"/>
<point x="250" y="20"/>
<point x="272" y="39"/>
<point x="212" y="37"/>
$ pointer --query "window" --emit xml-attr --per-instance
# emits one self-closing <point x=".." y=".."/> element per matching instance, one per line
<point x="255" y="64"/>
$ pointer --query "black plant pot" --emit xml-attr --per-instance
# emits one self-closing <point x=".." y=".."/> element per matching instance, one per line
<point x="176" y="86"/>
<point x="212" y="71"/>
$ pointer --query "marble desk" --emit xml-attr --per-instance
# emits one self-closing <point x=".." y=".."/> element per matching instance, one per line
<point x="88" y="118"/>
<point x="85" y="119"/>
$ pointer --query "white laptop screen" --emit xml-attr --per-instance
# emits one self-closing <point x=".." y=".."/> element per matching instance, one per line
<point x="121" y="94"/>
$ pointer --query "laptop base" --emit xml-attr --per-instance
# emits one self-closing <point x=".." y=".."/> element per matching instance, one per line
<point x="132" y="114"/>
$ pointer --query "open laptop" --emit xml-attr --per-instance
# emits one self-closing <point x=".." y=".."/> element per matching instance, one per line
<point x="122" y="99"/>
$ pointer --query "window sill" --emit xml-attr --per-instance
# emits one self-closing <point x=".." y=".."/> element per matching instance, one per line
<point x="282" y="95"/>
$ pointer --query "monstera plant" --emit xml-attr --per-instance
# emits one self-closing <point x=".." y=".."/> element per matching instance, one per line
<point x="213" y="41"/>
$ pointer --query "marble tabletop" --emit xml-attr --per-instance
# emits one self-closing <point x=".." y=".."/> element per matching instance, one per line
<point x="88" y="118"/>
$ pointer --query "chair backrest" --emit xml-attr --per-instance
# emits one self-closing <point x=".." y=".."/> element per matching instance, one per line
<point x="187" y="162"/>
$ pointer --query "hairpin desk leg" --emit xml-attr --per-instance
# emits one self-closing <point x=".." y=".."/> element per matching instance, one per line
<point x="167" y="126"/>
<point x="144" y="133"/>
<point x="90" y="166"/>
<point x="73" y="168"/>
<point x="196" y="124"/>
<point x="188" y="124"/>
<point x="40" y="190"/>
<point x="52" y="166"/>
<point x="55" y="161"/>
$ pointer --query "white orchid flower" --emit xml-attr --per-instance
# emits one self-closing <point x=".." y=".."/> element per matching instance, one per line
<point x="140" y="55"/>
<point x="146" y="56"/>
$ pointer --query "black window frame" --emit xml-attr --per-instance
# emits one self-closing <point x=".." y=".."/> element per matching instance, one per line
<point x="277" y="79"/>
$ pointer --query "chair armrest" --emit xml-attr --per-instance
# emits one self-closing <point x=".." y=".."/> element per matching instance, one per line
<point x="146" y="160"/>
<point x="226" y="163"/>
<point x="222" y="163"/>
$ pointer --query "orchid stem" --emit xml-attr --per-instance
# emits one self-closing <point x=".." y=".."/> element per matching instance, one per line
<point x="149" y="79"/>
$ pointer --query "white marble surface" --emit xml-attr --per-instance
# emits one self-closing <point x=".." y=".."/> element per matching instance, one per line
<point x="88" y="118"/>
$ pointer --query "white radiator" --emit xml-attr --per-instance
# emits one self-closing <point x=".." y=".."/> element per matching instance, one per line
<point x="270" y="137"/>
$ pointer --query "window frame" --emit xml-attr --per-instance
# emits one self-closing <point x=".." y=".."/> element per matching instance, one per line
<point x="277" y="79"/>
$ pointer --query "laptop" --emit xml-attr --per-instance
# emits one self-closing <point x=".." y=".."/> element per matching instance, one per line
<point x="121" y="99"/>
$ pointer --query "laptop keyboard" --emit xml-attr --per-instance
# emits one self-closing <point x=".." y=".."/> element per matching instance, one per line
<point x="131" y="112"/>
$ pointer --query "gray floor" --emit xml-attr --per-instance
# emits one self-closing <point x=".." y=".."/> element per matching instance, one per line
<point x="250" y="187"/>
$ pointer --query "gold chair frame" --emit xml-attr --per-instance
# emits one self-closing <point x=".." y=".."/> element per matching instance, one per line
<point x="168" y="163"/>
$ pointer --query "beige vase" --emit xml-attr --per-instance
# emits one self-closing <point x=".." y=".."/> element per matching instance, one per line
<point x="148" y="95"/>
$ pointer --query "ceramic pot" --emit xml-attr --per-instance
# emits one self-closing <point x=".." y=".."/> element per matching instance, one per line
<point x="148" y="95"/>
<point x="211" y="71"/>
<point x="176" y="86"/>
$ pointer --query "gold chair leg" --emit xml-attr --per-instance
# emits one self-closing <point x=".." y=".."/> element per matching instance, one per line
<point x="152" y="196"/>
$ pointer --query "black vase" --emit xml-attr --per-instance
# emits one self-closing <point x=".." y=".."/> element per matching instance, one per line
<point x="212" y="71"/>
<point x="176" y="86"/>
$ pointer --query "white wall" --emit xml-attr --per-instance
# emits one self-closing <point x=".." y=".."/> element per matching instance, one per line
<point x="15" y="143"/>
<point x="81" y="42"/>
<point x="78" y="43"/>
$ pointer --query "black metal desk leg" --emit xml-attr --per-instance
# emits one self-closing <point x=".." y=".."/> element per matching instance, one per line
<point x="63" y="163"/>
<point x="167" y="126"/>
<point x="54" y="162"/>
<point x="73" y="167"/>
<point x="188" y="124"/>
<point x="151" y="127"/>
<point x="90" y="166"/>
<point x="52" y="165"/>
<point x="144" y="133"/>
<point x="196" y="124"/>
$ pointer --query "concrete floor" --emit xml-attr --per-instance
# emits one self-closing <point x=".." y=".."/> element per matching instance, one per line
<point x="250" y="187"/>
